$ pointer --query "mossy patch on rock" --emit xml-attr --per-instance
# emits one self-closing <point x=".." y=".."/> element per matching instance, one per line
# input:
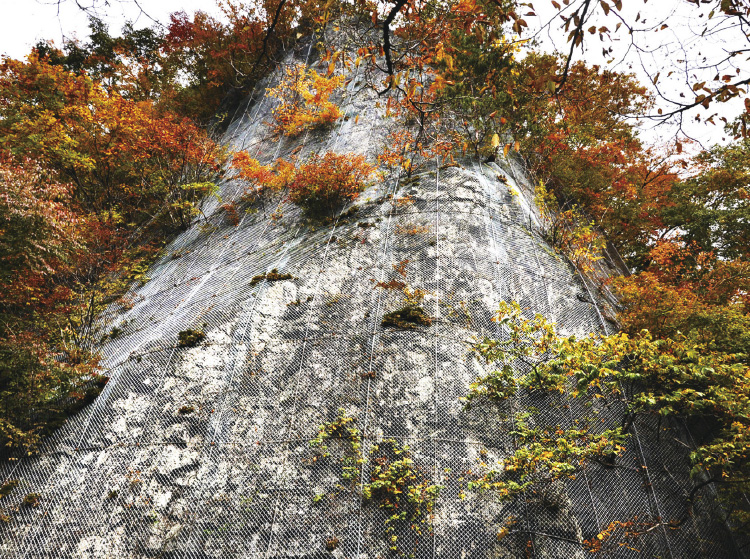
<point x="7" y="487"/>
<point x="409" y="317"/>
<point x="31" y="500"/>
<point x="332" y="543"/>
<point x="273" y="275"/>
<point x="190" y="338"/>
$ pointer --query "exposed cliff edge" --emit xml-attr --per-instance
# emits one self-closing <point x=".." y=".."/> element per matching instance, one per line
<point x="205" y="451"/>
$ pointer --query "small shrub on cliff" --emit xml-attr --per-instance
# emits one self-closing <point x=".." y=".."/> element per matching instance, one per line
<point x="324" y="183"/>
<point x="261" y="178"/>
<point x="320" y="185"/>
<point x="32" y="499"/>
<point x="7" y="487"/>
<point x="273" y="275"/>
<point x="409" y="317"/>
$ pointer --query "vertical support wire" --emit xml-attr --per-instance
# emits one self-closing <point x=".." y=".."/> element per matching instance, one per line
<point x="501" y="329"/>
<point x="374" y="336"/>
<point x="332" y="143"/>
<point x="436" y="334"/>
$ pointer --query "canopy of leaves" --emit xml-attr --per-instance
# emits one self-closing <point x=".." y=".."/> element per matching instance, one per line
<point x="94" y="178"/>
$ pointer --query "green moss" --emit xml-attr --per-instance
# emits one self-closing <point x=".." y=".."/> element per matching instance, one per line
<point x="190" y="338"/>
<point x="273" y="275"/>
<point x="7" y="487"/>
<point x="409" y="317"/>
<point x="332" y="543"/>
<point x="31" y="500"/>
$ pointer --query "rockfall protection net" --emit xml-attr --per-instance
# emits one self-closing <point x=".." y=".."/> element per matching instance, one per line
<point x="205" y="452"/>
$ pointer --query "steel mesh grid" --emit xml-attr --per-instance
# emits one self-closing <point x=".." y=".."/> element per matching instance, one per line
<point x="285" y="369"/>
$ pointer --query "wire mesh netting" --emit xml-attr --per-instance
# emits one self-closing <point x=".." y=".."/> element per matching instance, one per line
<point x="205" y="452"/>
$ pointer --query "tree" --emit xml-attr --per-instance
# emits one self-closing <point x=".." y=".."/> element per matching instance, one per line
<point x="131" y="64"/>
<point x="712" y="206"/>
<point x="39" y="365"/>
<point x="305" y="103"/>
<point x="672" y="377"/>
<point x="92" y="183"/>
<point x="124" y="157"/>
<point x="712" y="76"/>
<point x="222" y="62"/>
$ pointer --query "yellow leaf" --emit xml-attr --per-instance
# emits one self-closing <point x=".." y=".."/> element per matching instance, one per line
<point x="506" y="149"/>
<point x="495" y="141"/>
<point x="517" y="146"/>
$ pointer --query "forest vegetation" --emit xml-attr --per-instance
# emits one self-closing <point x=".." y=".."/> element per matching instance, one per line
<point x="107" y="147"/>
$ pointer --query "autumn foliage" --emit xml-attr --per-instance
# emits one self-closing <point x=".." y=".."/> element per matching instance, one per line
<point x="304" y="101"/>
<point x="93" y="183"/>
<point x="102" y="160"/>
<point x="261" y="179"/>
<point x="39" y="238"/>
<point x="320" y="184"/>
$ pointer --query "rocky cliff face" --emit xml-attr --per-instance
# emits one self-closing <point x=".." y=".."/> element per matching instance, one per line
<point x="205" y="451"/>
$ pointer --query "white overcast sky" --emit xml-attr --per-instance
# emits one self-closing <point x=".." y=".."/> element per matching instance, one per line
<point x="24" y="22"/>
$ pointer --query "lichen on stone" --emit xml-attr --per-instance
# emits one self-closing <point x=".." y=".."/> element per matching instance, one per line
<point x="273" y="275"/>
<point x="409" y="317"/>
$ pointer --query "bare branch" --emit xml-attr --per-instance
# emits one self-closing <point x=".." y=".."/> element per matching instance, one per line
<point x="387" y="40"/>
